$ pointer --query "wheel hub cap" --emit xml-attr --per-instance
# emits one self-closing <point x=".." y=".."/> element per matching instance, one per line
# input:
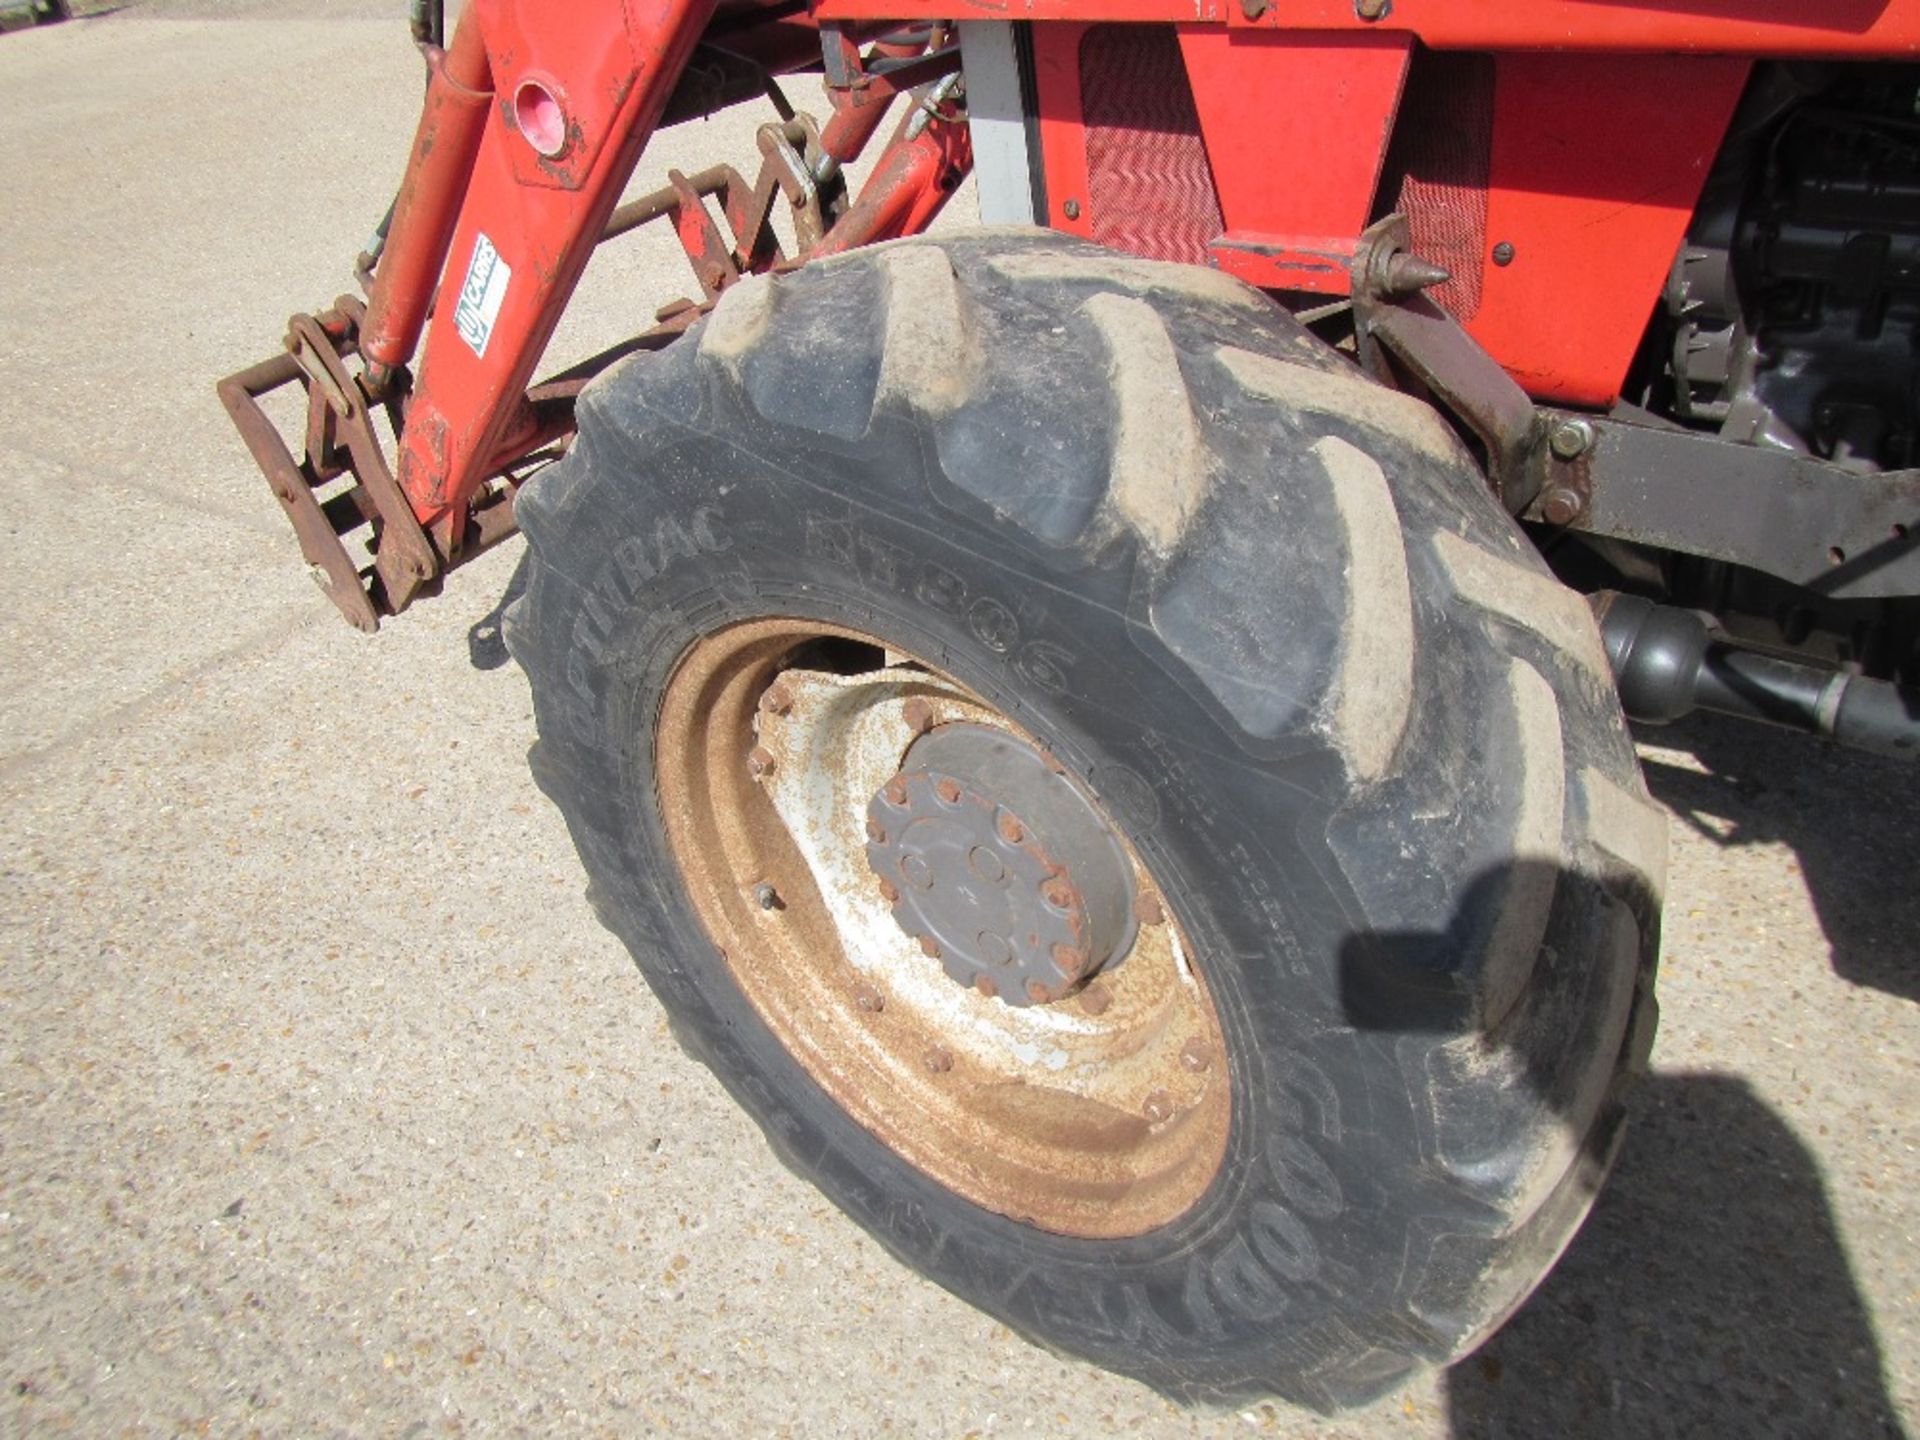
<point x="999" y="866"/>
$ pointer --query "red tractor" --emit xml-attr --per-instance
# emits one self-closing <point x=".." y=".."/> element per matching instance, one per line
<point x="1107" y="731"/>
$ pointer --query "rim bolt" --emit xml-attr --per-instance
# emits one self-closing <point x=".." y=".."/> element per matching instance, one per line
<point x="896" y="791"/>
<point x="1148" y="910"/>
<point x="869" y="1000"/>
<point x="1011" y="830"/>
<point x="929" y="947"/>
<point x="760" y="761"/>
<point x="1095" y="999"/>
<point x="1194" y="1056"/>
<point x="918" y="714"/>
<point x="766" y="897"/>
<point x="939" y="1061"/>
<point x="1059" y="894"/>
<point x="949" y="791"/>
<point x="889" y="892"/>
<point x="1159" y="1107"/>
<point x="876" y="832"/>
<point x="777" y="700"/>
<point x="1070" y="961"/>
<point x="985" y="985"/>
<point x="1038" y="993"/>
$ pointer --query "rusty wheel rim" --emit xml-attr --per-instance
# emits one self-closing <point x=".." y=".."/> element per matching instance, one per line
<point x="1103" y="1114"/>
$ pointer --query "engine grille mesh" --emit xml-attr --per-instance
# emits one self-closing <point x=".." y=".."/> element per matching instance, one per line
<point x="1149" y="188"/>
<point x="1442" y="146"/>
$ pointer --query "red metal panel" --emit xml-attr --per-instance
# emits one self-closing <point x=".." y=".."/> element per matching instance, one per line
<point x="1063" y="132"/>
<point x="1747" y="27"/>
<point x="1597" y="162"/>
<point x="1296" y="179"/>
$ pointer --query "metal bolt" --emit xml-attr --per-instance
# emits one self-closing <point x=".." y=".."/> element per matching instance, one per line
<point x="766" y="897"/>
<point x="1071" y="209"/>
<point x="929" y="947"/>
<point x="1373" y="9"/>
<point x="1059" y="894"/>
<point x="876" y="832"/>
<point x="1562" y="505"/>
<point x="986" y="986"/>
<point x="777" y="700"/>
<point x="1407" y="274"/>
<point x="1038" y="993"/>
<point x="1070" y="961"/>
<point x="918" y="714"/>
<point x="1503" y="253"/>
<point x="1011" y="830"/>
<point x="939" y="1061"/>
<point x="760" y="761"/>
<point x="1195" y="1056"/>
<point x="1148" y="910"/>
<point x="1570" y="439"/>
<point x="889" y="892"/>
<point x="868" y="999"/>
<point x="1159" y="1107"/>
<point x="896" y="791"/>
<point x="1254" y="9"/>
<point x="1095" y="999"/>
<point x="949" y="791"/>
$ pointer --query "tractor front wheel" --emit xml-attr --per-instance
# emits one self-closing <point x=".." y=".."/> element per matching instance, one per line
<point x="1106" y="788"/>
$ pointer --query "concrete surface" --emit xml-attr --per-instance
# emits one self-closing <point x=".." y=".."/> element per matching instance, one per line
<point x="326" y="1108"/>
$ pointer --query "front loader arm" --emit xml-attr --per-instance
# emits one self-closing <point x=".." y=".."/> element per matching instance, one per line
<point x="576" y="93"/>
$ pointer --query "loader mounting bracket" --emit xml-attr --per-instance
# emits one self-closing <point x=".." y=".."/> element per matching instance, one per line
<point x="342" y="483"/>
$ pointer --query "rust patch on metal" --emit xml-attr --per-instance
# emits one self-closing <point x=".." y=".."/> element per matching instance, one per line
<point x="1044" y="1113"/>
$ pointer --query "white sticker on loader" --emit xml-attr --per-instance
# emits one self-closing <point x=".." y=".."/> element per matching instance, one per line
<point x="480" y="296"/>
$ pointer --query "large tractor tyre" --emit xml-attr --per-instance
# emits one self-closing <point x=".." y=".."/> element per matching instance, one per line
<point x="1106" y="788"/>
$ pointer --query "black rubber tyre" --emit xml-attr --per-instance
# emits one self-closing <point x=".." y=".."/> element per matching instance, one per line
<point x="1267" y="610"/>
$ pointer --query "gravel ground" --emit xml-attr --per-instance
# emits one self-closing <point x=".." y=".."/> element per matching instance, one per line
<point x="326" y="1108"/>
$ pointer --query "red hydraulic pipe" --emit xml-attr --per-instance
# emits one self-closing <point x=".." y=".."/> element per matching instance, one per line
<point x="918" y="172"/>
<point x="856" y="115"/>
<point x="459" y="91"/>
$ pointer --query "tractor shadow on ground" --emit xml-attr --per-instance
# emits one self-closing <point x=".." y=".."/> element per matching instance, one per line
<point x="1707" y="1294"/>
<point x="1849" y="818"/>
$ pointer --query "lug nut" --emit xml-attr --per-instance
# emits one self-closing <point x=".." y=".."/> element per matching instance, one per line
<point x="1059" y="894"/>
<point x="896" y="791"/>
<point x="1095" y="999"/>
<point x="1148" y="910"/>
<point x="1195" y="1056"/>
<point x="889" y="892"/>
<point x="1070" y="961"/>
<point x="876" y="832"/>
<point x="766" y="897"/>
<point x="949" y="791"/>
<point x="939" y="1061"/>
<point x="777" y="700"/>
<point x="760" y="762"/>
<point x="985" y="985"/>
<point x="929" y="947"/>
<point x="918" y="714"/>
<point x="869" y="1000"/>
<point x="1159" y="1107"/>
<point x="1011" y="830"/>
<point x="1038" y="993"/>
